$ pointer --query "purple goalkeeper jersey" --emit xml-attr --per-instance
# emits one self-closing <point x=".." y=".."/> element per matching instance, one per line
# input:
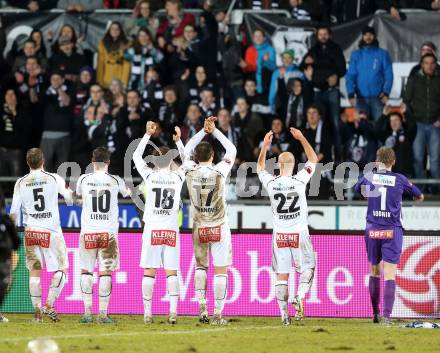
<point x="384" y="192"/>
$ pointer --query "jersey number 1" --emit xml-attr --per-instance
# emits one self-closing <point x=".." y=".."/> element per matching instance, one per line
<point x="383" y="198"/>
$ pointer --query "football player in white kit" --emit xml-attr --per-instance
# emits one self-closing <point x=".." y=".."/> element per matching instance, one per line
<point x="291" y="240"/>
<point x="99" y="229"/>
<point x="36" y="196"/>
<point x="160" y="240"/>
<point x="206" y="185"/>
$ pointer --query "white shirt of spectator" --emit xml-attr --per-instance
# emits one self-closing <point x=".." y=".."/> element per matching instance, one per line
<point x="287" y="196"/>
<point x="36" y="195"/>
<point x="99" y="191"/>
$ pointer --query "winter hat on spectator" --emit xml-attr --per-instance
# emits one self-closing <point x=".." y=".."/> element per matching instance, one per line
<point x="64" y="40"/>
<point x="429" y="46"/>
<point x="289" y="52"/>
<point x="368" y="29"/>
<point x="89" y="69"/>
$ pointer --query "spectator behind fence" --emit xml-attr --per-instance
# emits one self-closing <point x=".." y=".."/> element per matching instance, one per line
<point x="281" y="140"/>
<point x="82" y="88"/>
<point x="40" y="45"/>
<point x="422" y="102"/>
<point x="29" y="49"/>
<point x="257" y="102"/>
<point x="266" y="61"/>
<point x="328" y="69"/>
<point x="143" y="17"/>
<point x="282" y="74"/>
<point x="111" y="64"/>
<point x="192" y="123"/>
<point x="309" y="10"/>
<point x="142" y="56"/>
<point x="398" y="133"/>
<point x="58" y="103"/>
<point x="433" y="5"/>
<point x="80" y="5"/>
<point x="115" y="95"/>
<point x="345" y="11"/>
<point x="152" y="96"/>
<point x="359" y="140"/>
<point x="208" y="35"/>
<point x="15" y="130"/>
<point x="425" y="48"/>
<point x="249" y="123"/>
<point x="244" y="153"/>
<point x="67" y="60"/>
<point x="370" y="75"/>
<point x="191" y="89"/>
<point x="293" y="101"/>
<point x="67" y="31"/>
<point x="170" y="111"/>
<point x="207" y="104"/>
<point x="174" y="23"/>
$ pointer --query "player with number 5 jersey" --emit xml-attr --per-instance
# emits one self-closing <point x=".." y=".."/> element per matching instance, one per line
<point x="384" y="232"/>
<point x="160" y="239"/>
<point x="291" y="240"/>
<point x="36" y="196"/>
<point x="206" y="186"/>
<point x="99" y="230"/>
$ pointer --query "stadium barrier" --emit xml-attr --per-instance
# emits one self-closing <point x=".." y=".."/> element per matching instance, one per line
<point x="340" y="287"/>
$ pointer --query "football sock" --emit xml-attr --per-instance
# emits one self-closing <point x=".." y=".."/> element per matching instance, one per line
<point x="87" y="291"/>
<point x="173" y="292"/>
<point x="56" y="286"/>
<point x="282" y="294"/>
<point x="305" y="282"/>
<point x="35" y="291"/>
<point x="388" y="297"/>
<point x="147" y="293"/>
<point x="200" y="282"/>
<point x="105" y="290"/>
<point x="374" y="288"/>
<point x="220" y="291"/>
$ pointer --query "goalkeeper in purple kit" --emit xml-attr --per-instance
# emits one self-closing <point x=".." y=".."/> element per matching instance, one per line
<point x="384" y="232"/>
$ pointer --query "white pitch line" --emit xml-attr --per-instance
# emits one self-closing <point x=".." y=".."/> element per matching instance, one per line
<point x="159" y="333"/>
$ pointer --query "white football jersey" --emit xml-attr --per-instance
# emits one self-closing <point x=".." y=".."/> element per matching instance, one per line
<point x="287" y="196"/>
<point x="162" y="189"/>
<point x="99" y="192"/>
<point x="36" y="195"/>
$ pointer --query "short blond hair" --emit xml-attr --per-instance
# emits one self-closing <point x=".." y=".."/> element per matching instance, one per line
<point x="386" y="155"/>
<point x="34" y="158"/>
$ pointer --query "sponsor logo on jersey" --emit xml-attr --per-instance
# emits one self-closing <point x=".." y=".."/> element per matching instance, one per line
<point x="383" y="179"/>
<point x="287" y="240"/>
<point x="96" y="240"/>
<point x="381" y="234"/>
<point x="209" y="234"/>
<point x="418" y="278"/>
<point x="163" y="237"/>
<point x="34" y="238"/>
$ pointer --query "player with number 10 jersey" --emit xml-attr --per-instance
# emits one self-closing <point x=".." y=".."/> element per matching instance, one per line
<point x="99" y="229"/>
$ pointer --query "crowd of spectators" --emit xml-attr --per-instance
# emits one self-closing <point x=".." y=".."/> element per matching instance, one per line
<point x="178" y="70"/>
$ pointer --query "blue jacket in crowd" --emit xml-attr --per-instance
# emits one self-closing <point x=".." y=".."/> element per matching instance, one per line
<point x="292" y="71"/>
<point x="270" y="64"/>
<point x="370" y="72"/>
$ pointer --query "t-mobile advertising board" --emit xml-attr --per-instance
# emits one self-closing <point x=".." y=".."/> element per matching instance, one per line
<point x="339" y="288"/>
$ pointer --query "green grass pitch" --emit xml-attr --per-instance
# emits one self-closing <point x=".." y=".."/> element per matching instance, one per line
<point x="244" y="334"/>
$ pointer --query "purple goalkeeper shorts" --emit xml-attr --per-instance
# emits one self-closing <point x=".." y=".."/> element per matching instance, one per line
<point x="384" y="244"/>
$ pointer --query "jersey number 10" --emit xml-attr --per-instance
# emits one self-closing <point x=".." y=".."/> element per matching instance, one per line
<point x="100" y="200"/>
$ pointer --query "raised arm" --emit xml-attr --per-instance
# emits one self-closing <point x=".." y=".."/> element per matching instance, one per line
<point x="179" y="143"/>
<point x="261" y="163"/>
<point x="308" y="149"/>
<point x="139" y="151"/>
<point x="231" y="150"/>
<point x="192" y="143"/>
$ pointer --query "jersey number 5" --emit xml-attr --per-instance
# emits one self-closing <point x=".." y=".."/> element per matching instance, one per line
<point x="39" y="204"/>
<point x="282" y="201"/>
